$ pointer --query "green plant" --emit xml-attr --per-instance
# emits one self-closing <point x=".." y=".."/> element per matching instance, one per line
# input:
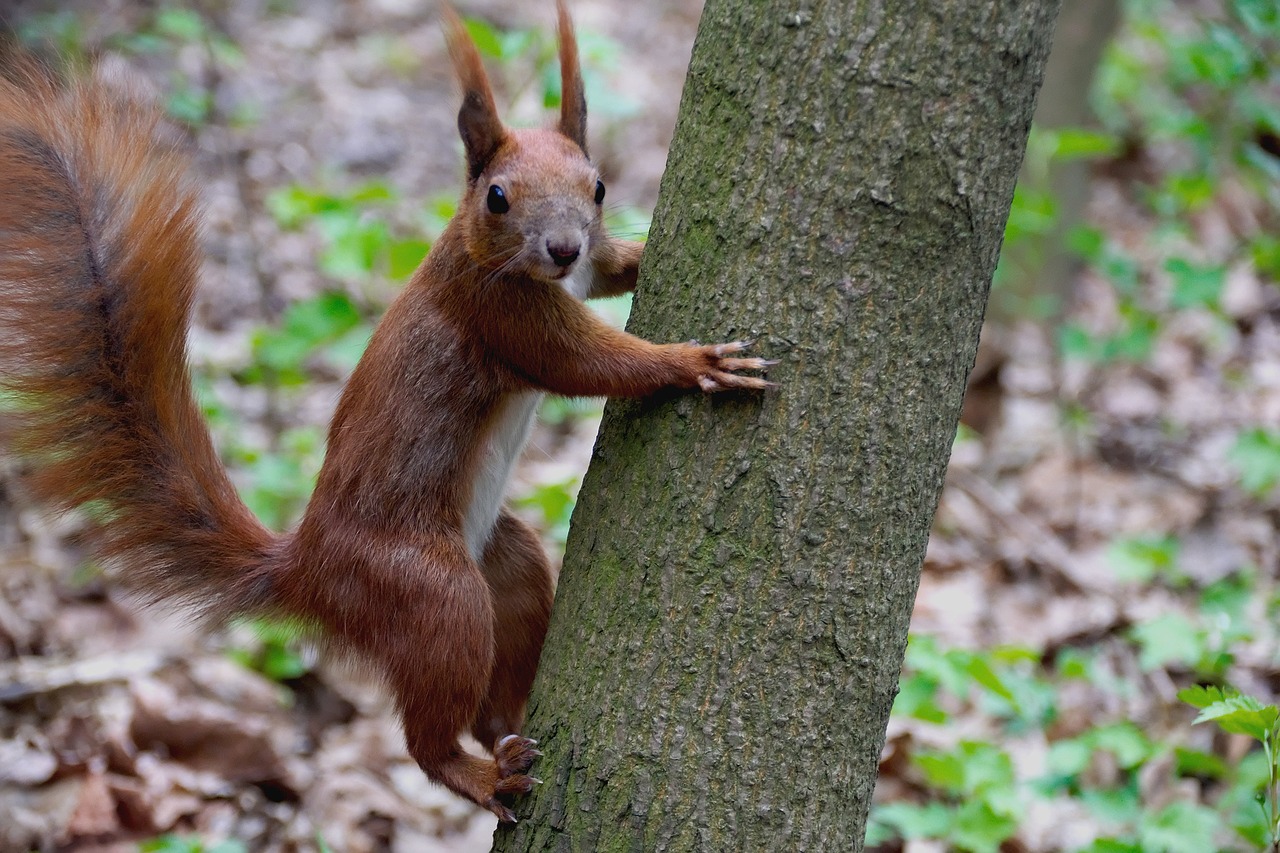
<point x="189" y="99"/>
<point x="354" y="225"/>
<point x="328" y="327"/>
<point x="278" y="650"/>
<point x="189" y="844"/>
<point x="1203" y="638"/>
<point x="554" y="502"/>
<point x="1144" y="558"/>
<point x="61" y="32"/>
<point x="1256" y="457"/>
<point x="1239" y="714"/>
<point x="935" y="679"/>
<point x="1034" y="213"/>
<point x="978" y="804"/>
<point x="1196" y="87"/>
<point x="530" y="55"/>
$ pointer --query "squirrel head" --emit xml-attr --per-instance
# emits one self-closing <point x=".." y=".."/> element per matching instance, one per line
<point x="533" y="200"/>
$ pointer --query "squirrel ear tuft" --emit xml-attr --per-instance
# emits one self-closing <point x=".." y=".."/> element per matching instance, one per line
<point x="573" y="100"/>
<point x="481" y="130"/>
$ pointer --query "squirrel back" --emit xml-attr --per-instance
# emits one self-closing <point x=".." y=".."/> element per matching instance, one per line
<point x="98" y="266"/>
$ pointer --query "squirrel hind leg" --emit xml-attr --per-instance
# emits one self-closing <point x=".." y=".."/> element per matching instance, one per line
<point x="425" y="616"/>
<point x="489" y="783"/>
<point x="522" y="587"/>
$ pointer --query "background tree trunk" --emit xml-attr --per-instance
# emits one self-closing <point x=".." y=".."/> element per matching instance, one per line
<point x="1042" y="270"/>
<point x="734" y="603"/>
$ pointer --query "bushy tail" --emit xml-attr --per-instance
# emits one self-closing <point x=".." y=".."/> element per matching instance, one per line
<point x="98" y="263"/>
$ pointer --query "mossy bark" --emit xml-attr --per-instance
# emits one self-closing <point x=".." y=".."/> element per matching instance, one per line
<point x="733" y="608"/>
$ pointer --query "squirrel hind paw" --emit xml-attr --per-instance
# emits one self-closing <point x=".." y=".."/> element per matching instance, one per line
<point x="514" y="755"/>
<point x="505" y="815"/>
<point x="506" y="787"/>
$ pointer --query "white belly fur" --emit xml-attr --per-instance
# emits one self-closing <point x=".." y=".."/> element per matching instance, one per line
<point x="506" y="442"/>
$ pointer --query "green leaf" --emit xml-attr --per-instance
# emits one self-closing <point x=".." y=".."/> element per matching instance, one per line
<point x="1256" y="456"/>
<point x="181" y="24"/>
<point x="372" y="191"/>
<point x="487" y="38"/>
<point x="1168" y="639"/>
<point x="321" y="317"/>
<point x="1242" y="715"/>
<point x="354" y="245"/>
<point x="1181" y="194"/>
<point x="189" y="105"/>
<point x="942" y="770"/>
<point x="1219" y="59"/>
<point x="1180" y="827"/>
<point x="908" y="821"/>
<point x="1111" y="845"/>
<point x="346" y="350"/>
<point x="438" y="212"/>
<point x="228" y="846"/>
<point x="1137" y="337"/>
<point x="554" y="500"/>
<point x="518" y="42"/>
<point x="1117" y="267"/>
<point x="1195" y="286"/>
<point x="1033" y="212"/>
<point x="404" y="256"/>
<point x="288" y="205"/>
<point x="971" y="768"/>
<point x="980" y="671"/>
<point x="980" y="828"/>
<point x="1074" y="341"/>
<point x="1202" y="696"/>
<point x="917" y="697"/>
<point x="1075" y="664"/>
<point x="143" y="43"/>
<point x="1069" y="757"/>
<point x="1113" y="805"/>
<point x="1227" y="600"/>
<point x="281" y="663"/>
<point x="1260" y="17"/>
<point x="1125" y="741"/>
<point x="1089" y="243"/>
<point x="1076" y="143"/>
<point x="1264" y="249"/>
<point x="1194" y="762"/>
<point x="1143" y="558"/>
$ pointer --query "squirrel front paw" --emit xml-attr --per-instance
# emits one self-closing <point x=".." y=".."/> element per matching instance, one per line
<point x="715" y="369"/>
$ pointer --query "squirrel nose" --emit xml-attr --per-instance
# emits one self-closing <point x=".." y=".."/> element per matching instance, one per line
<point x="563" y="254"/>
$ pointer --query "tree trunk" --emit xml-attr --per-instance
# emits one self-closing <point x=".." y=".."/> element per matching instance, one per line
<point x="740" y="574"/>
<point x="1042" y="269"/>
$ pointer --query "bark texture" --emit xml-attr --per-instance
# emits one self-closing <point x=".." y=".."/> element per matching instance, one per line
<point x="734" y="604"/>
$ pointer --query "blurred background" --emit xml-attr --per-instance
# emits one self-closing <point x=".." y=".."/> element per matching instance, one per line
<point x="1106" y="540"/>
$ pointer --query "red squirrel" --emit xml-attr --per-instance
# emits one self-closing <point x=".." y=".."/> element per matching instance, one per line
<point x="405" y="556"/>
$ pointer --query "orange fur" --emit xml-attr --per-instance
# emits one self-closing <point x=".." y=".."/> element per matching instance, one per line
<point x="404" y="555"/>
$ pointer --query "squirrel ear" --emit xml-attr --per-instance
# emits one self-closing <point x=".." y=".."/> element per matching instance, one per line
<point x="573" y="100"/>
<point x="478" y="123"/>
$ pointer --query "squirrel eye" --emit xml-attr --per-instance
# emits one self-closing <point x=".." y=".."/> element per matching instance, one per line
<point x="498" y="199"/>
<point x="599" y="191"/>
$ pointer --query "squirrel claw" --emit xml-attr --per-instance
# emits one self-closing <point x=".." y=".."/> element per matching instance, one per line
<point x="505" y="815"/>
<point x="514" y="754"/>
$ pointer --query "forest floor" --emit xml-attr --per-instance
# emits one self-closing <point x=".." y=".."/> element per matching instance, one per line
<point x="1074" y="572"/>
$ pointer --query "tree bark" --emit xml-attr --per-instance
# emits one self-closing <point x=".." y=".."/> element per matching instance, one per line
<point x="740" y="574"/>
